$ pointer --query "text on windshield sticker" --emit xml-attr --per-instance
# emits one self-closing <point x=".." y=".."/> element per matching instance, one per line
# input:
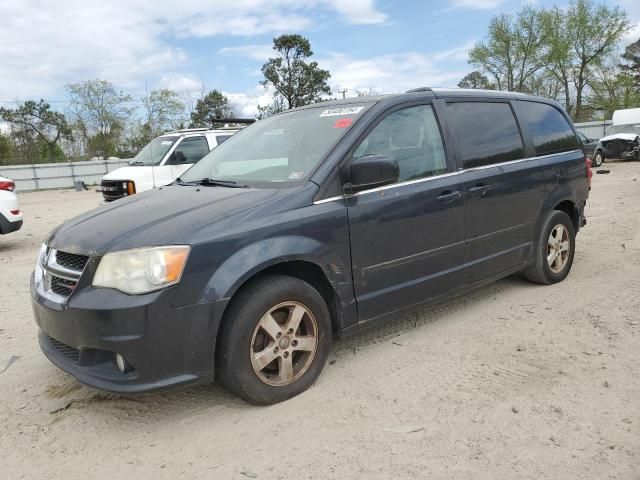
<point x="333" y="112"/>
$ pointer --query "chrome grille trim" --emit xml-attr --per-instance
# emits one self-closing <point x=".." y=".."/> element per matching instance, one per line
<point x="55" y="278"/>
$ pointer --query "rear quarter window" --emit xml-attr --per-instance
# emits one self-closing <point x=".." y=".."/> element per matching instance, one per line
<point x="487" y="133"/>
<point x="549" y="129"/>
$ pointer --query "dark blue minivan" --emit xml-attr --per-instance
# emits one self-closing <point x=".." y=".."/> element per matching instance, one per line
<point x="308" y="224"/>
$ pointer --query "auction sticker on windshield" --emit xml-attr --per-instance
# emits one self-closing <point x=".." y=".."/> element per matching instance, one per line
<point x="343" y="122"/>
<point x="332" y="112"/>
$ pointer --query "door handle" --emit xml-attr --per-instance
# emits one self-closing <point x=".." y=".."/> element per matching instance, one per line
<point x="448" y="196"/>
<point x="479" y="190"/>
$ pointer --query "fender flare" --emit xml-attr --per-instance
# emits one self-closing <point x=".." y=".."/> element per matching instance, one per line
<point x="258" y="256"/>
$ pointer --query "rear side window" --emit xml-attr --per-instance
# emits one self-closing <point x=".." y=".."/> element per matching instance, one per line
<point x="487" y="133"/>
<point x="549" y="129"/>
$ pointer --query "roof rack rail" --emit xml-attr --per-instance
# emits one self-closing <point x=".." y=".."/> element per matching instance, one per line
<point x="235" y="120"/>
<point x="228" y="124"/>
<point x="187" y="130"/>
<point x="420" y="89"/>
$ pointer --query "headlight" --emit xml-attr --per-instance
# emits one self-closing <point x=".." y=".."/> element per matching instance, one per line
<point x="141" y="270"/>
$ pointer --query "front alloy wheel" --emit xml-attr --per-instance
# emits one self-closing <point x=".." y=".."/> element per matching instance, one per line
<point x="274" y="340"/>
<point x="284" y="343"/>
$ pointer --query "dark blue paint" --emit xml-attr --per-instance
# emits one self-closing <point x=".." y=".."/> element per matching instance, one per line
<point x="382" y="252"/>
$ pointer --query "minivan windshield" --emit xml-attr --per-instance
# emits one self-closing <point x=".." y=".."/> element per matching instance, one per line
<point x="282" y="149"/>
<point x="154" y="151"/>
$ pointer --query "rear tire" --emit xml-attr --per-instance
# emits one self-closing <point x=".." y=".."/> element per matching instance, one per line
<point x="598" y="159"/>
<point x="554" y="250"/>
<point x="275" y="340"/>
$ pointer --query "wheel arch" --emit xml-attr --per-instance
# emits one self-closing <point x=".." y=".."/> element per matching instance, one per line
<point x="302" y="269"/>
<point x="297" y="256"/>
<point x="563" y="201"/>
<point x="569" y="207"/>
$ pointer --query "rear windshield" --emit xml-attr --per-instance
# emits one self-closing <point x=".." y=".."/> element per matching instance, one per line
<point x="282" y="149"/>
<point x="549" y="129"/>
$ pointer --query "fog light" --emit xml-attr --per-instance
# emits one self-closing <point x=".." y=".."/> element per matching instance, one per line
<point x="122" y="364"/>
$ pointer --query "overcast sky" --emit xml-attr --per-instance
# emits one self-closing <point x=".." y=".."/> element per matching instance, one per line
<point x="385" y="45"/>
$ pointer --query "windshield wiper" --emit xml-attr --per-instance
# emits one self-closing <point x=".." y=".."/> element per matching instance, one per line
<point x="221" y="183"/>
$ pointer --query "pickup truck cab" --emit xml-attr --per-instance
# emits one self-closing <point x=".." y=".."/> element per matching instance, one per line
<point x="307" y="224"/>
<point x="162" y="160"/>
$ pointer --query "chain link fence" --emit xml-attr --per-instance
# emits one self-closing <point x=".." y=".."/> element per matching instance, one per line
<point x="44" y="176"/>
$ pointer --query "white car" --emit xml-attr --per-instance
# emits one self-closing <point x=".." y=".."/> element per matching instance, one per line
<point x="163" y="160"/>
<point x="10" y="214"/>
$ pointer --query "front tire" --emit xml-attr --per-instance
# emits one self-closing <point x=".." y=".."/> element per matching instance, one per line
<point x="554" y="250"/>
<point x="275" y="340"/>
<point x="598" y="159"/>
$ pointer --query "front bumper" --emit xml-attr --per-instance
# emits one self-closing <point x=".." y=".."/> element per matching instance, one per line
<point x="164" y="346"/>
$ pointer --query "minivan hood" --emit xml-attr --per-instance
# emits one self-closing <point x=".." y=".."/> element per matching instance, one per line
<point x="165" y="216"/>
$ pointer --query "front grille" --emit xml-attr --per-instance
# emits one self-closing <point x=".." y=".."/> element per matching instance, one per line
<point x="70" y="353"/>
<point x="112" y="190"/>
<point x="71" y="260"/>
<point x="62" y="271"/>
<point x="62" y="286"/>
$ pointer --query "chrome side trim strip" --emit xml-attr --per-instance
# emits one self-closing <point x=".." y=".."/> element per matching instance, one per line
<point x="435" y="177"/>
<point x="330" y="199"/>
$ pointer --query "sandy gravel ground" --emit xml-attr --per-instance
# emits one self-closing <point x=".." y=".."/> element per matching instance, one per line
<point x="512" y="381"/>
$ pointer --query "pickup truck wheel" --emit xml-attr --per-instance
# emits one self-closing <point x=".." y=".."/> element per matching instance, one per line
<point x="598" y="159"/>
<point x="275" y="340"/>
<point x="554" y="250"/>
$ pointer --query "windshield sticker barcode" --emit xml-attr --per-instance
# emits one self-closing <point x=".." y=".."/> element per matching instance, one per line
<point x="332" y="112"/>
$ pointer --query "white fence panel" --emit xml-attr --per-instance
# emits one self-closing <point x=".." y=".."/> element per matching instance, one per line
<point x="59" y="175"/>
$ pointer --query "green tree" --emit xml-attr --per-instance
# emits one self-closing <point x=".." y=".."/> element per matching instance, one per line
<point x="277" y="105"/>
<point x="560" y="55"/>
<point x="101" y="113"/>
<point x="595" y="32"/>
<point x="612" y="89"/>
<point x="631" y="62"/>
<point x="163" y="110"/>
<point x="37" y="121"/>
<point x="474" y="80"/>
<point x="296" y="80"/>
<point x="544" y="84"/>
<point x="213" y="106"/>
<point x="6" y="148"/>
<point x="515" y="49"/>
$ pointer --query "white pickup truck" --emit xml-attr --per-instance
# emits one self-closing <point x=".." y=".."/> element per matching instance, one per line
<point x="163" y="160"/>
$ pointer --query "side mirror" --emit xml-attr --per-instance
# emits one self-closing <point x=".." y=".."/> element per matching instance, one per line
<point x="370" y="171"/>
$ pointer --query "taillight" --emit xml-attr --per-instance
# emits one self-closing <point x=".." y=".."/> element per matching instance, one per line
<point x="7" y="185"/>
<point x="587" y="160"/>
<point x="15" y="212"/>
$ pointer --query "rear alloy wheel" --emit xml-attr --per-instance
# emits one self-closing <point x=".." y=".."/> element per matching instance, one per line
<point x="598" y="159"/>
<point x="553" y="250"/>
<point x="558" y="248"/>
<point x="274" y="340"/>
